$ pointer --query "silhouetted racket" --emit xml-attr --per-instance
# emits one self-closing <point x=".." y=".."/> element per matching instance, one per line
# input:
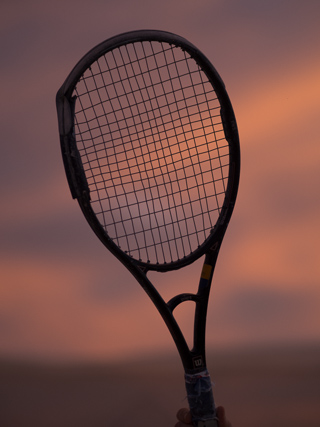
<point x="151" y="152"/>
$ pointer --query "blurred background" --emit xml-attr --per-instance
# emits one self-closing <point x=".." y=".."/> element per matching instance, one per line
<point x="80" y="343"/>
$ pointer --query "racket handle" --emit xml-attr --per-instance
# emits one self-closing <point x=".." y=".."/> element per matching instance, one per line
<point x="200" y="398"/>
<point x="208" y="423"/>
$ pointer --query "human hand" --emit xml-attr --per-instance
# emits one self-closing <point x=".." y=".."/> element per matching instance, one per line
<point x="184" y="417"/>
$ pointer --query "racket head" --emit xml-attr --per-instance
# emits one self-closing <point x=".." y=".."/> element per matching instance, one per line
<point x="150" y="147"/>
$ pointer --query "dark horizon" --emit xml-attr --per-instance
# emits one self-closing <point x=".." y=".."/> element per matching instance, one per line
<point x="257" y="387"/>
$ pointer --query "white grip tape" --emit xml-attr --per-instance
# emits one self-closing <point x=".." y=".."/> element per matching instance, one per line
<point x="200" y="397"/>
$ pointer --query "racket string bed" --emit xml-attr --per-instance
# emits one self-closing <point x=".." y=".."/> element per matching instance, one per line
<point x="148" y="129"/>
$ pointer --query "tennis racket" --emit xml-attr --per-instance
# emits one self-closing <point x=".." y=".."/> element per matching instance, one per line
<point x="151" y="152"/>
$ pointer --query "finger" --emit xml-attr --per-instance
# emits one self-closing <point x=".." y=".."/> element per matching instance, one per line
<point x="221" y="415"/>
<point x="184" y="416"/>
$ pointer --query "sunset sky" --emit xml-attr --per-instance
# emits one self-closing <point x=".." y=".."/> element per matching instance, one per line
<point x="62" y="294"/>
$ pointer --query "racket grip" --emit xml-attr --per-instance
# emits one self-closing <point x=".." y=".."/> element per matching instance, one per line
<point x="200" y="398"/>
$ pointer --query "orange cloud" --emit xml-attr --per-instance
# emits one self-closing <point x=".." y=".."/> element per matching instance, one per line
<point x="272" y="107"/>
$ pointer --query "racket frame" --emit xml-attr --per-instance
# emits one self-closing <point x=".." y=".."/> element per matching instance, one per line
<point x="194" y="359"/>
